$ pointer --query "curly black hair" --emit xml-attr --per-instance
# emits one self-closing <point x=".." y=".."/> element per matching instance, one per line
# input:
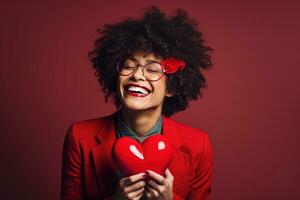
<point x="174" y="36"/>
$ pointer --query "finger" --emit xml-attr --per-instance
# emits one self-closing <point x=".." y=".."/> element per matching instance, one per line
<point x="153" y="184"/>
<point x="148" y="194"/>
<point x="156" y="177"/>
<point x="136" y="193"/>
<point x="169" y="176"/>
<point x="139" y="196"/>
<point x="152" y="193"/>
<point x="134" y="187"/>
<point x="131" y="179"/>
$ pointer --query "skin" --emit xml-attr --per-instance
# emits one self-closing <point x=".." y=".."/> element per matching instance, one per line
<point x="159" y="187"/>
<point x="130" y="187"/>
<point x="141" y="114"/>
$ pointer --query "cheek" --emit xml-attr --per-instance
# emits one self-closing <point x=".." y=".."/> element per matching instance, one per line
<point x="121" y="80"/>
<point x="161" y="89"/>
<point x="163" y="84"/>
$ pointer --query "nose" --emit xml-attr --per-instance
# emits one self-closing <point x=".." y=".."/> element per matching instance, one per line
<point x="139" y="74"/>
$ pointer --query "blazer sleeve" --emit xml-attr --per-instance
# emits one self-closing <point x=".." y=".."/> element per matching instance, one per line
<point x="201" y="188"/>
<point x="71" y="184"/>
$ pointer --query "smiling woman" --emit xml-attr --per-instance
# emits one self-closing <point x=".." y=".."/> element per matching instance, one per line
<point x="151" y="68"/>
<point x="151" y="93"/>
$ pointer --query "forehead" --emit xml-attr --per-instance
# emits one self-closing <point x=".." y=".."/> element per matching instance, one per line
<point x="146" y="56"/>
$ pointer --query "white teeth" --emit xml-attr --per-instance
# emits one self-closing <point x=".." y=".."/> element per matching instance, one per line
<point x="137" y="89"/>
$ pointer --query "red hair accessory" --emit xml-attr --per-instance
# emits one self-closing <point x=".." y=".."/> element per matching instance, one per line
<point x="171" y="65"/>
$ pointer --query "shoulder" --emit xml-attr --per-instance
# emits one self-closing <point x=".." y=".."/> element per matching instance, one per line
<point x="88" y="128"/>
<point x="186" y="131"/>
<point x="194" y="139"/>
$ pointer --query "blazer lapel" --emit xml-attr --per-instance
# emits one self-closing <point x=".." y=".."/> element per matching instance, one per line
<point x="169" y="131"/>
<point x="104" y="165"/>
<point x="177" y="166"/>
<point x="180" y="166"/>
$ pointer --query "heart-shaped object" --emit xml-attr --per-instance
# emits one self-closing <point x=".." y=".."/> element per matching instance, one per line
<point x="132" y="157"/>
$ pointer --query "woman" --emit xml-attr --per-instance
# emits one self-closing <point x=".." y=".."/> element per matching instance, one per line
<point x="151" y="69"/>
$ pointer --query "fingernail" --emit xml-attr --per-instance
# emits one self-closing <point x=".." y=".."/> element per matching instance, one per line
<point x="147" y="178"/>
<point x="145" y="175"/>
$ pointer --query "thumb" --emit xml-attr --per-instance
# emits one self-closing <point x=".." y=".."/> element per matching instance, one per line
<point x="168" y="175"/>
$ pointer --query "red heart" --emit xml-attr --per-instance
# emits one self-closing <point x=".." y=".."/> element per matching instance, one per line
<point x="132" y="157"/>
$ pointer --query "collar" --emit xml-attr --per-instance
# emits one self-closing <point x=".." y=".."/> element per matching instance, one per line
<point x="106" y="132"/>
<point x="122" y="128"/>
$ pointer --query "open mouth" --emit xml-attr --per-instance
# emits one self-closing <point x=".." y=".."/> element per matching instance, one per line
<point x="136" y="90"/>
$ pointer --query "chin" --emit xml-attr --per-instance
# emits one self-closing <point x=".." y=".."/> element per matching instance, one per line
<point x="135" y="106"/>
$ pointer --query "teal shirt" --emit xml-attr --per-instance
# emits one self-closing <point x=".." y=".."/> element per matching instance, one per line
<point x="123" y="130"/>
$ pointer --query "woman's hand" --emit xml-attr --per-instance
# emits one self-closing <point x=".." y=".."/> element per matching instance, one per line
<point x="158" y="187"/>
<point x="131" y="187"/>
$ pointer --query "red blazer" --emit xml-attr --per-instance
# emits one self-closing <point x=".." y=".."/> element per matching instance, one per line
<point x="88" y="171"/>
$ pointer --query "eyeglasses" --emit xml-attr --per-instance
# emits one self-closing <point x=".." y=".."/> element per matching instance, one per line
<point x="152" y="71"/>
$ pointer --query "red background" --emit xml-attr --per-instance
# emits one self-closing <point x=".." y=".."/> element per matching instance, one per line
<point x="250" y="107"/>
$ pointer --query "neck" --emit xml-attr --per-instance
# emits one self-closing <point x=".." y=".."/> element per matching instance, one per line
<point x="140" y="121"/>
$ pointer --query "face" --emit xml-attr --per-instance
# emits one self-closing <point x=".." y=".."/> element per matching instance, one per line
<point x="137" y="93"/>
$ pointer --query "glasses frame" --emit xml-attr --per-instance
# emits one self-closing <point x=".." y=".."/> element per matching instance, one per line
<point x="143" y="67"/>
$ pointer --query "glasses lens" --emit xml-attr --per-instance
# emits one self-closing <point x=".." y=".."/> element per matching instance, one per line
<point x="153" y="71"/>
<point x="126" y="66"/>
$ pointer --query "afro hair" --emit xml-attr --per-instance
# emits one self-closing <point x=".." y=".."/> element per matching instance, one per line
<point x="165" y="36"/>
